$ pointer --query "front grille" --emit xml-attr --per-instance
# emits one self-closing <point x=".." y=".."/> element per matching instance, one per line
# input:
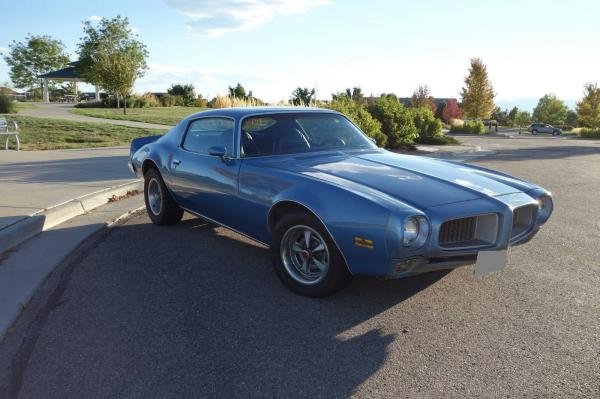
<point x="458" y="231"/>
<point x="522" y="220"/>
<point x="472" y="231"/>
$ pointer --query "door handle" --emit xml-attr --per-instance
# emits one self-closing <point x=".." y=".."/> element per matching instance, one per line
<point x="176" y="162"/>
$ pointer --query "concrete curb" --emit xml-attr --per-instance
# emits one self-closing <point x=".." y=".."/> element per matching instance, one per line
<point x="24" y="229"/>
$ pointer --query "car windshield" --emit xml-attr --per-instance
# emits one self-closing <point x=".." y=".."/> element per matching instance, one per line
<point x="288" y="133"/>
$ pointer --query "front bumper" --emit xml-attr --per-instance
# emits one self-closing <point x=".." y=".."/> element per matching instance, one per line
<point x="419" y="265"/>
<point x="435" y="256"/>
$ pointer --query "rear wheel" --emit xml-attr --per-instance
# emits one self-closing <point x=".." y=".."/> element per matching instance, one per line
<point x="305" y="257"/>
<point x="161" y="208"/>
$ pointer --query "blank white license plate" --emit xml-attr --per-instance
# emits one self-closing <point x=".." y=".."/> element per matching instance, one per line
<point x="490" y="262"/>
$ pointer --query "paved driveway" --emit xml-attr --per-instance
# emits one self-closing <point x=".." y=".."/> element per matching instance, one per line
<point x="196" y="311"/>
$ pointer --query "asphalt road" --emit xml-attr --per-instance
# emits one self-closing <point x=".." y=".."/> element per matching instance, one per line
<point x="196" y="311"/>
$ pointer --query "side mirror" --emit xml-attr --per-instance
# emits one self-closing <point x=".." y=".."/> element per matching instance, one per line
<point x="372" y="140"/>
<point x="217" y="151"/>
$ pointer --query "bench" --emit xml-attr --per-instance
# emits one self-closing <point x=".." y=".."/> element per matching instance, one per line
<point x="7" y="133"/>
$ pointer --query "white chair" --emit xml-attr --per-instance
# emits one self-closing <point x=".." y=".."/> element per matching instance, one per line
<point x="7" y="133"/>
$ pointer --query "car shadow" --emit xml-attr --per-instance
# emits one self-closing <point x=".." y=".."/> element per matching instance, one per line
<point x="196" y="310"/>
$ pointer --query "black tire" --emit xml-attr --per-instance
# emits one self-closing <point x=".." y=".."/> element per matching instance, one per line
<point x="534" y="132"/>
<point x="168" y="212"/>
<point x="334" y="279"/>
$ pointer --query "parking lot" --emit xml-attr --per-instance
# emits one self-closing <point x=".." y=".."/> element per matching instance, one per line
<point x="195" y="310"/>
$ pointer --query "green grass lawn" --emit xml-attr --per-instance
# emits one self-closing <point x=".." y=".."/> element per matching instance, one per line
<point x="25" y="105"/>
<point x="161" y="115"/>
<point x="52" y="134"/>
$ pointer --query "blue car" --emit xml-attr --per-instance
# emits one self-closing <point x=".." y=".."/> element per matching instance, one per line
<point x="328" y="202"/>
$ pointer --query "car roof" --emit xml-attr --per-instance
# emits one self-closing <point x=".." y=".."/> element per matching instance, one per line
<point x="240" y="112"/>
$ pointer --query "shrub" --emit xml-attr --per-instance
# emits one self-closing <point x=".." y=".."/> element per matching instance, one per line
<point x="426" y="123"/>
<point x="456" y="123"/>
<point x="185" y="94"/>
<point x="469" y="127"/>
<point x="90" y="104"/>
<point x="7" y="106"/>
<point x="565" y="128"/>
<point x="229" y="101"/>
<point x="201" y="102"/>
<point x="361" y="117"/>
<point x="590" y="133"/>
<point x="167" y="100"/>
<point x="396" y="121"/>
<point x="151" y="100"/>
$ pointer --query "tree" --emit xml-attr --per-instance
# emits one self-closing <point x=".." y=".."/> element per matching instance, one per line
<point x="396" y="121"/>
<point x="588" y="109"/>
<point x="355" y="94"/>
<point x="522" y="118"/>
<point x="303" y="96"/>
<point x="185" y="91"/>
<point x="118" y="72"/>
<point x="431" y="104"/>
<point x="361" y="117"/>
<point x="451" y="111"/>
<point x="572" y="118"/>
<point x="512" y="115"/>
<point x="420" y="97"/>
<point x="550" y="110"/>
<point x="478" y="94"/>
<point x="238" y="91"/>
<point x="500" y="116"/>
<point x="112" y="43"/>
<point x="36" y="56"/>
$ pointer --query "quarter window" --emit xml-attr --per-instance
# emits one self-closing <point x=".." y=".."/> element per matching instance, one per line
<point x="205" y="133"/>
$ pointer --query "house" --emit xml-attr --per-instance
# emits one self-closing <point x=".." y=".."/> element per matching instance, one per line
<point x="10" y="93"/>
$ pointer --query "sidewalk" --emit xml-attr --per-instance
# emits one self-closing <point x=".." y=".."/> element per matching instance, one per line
<point x="62" y="111"/>
<point x="31" y="181"/>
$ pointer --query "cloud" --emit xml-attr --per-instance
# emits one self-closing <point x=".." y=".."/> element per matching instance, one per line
<point x="3" y="50"/>
<point x="214" y="18"/>
<point x="95" y="18"/>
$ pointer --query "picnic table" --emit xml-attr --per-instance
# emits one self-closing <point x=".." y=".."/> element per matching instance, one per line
<point x="4" y="131"/>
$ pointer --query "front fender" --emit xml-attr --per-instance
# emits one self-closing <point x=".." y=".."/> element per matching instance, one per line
<point x="363" y="229"/>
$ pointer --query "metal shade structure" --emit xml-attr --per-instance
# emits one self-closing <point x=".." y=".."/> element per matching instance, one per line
<point x="67" y="74"/>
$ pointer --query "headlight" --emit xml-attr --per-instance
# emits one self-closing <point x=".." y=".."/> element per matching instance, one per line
<point x="545" y="208"/>
<point x="415" y="231"/>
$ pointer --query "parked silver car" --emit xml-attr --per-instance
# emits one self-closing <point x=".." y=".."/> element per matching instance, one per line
<point x="536" y="128"/>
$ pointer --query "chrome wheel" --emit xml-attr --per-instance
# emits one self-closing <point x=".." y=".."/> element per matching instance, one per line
<point x="155" y="199"/>
<point x="304" y="254"/>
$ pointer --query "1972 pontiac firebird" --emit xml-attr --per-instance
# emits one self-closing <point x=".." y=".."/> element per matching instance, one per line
<point x="330" y="203"/>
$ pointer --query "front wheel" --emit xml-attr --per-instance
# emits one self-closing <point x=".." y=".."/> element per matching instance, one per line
<point x="534" y="132"/>
<point x="305" y="257"/>
<point x="161" y="208"/>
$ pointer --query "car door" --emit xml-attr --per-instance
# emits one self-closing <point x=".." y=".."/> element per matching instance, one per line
<point x="204" y="172"/>
<point x="547" y="129"/>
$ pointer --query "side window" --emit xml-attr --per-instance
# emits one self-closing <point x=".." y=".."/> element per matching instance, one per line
<point x="205" y="133"/>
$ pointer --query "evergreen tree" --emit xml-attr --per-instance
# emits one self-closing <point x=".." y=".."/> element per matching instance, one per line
<point x="478" y="94"/>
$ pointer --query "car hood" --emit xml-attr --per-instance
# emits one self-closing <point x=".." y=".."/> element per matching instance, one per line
<point x="418" y="181"/>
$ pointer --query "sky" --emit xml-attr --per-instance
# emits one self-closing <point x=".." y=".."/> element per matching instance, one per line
<point x="273" y="46"/>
